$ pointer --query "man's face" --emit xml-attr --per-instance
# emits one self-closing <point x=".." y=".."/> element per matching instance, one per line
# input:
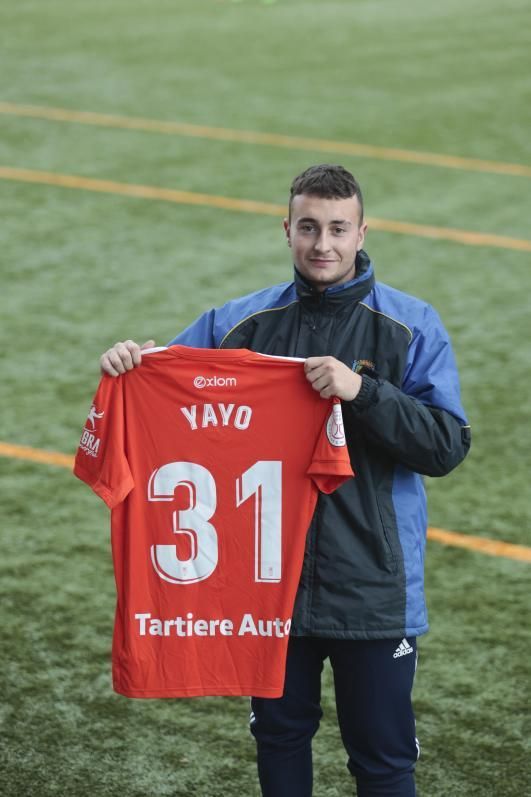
<point x="325" y="235"/>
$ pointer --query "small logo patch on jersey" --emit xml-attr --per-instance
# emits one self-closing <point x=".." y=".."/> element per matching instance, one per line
<point x="94" y="415"/>
<point x="201" y="382"/>
<point x="357" y="365"/>
<point x="334" y="427"/>
<point x="89" y="443"/>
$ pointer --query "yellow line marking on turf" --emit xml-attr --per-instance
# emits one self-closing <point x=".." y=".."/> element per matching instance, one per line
<point x="467" y="237"/>
<point x="492" y="547"/>
<point x="267" y="139"/>
<point x="55" y="179"/>
<point x="36" y="455"/>
<point x="521" y="553"/>
<point x="140" y="191"/>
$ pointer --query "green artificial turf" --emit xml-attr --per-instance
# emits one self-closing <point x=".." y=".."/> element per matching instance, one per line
<point x="80" y="270"/>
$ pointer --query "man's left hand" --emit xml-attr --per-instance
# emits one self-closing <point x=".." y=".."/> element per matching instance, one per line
<point x="332" y="378"/>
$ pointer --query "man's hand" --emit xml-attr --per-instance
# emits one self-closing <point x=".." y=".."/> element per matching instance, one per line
<point x="123" y="357"/>
<point x="332" y="378"/>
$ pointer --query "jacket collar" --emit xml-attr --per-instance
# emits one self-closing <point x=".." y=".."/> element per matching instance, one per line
<point x="337" y="295"/>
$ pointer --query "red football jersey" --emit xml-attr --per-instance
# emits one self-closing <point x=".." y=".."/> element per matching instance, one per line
<point x="211" y="462"/>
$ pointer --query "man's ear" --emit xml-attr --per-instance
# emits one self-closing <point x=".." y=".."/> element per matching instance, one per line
<point x="286" y="230"/>
<point x="361" y="236"/>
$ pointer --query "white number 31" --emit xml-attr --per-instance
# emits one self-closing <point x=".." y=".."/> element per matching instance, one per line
<point x="262" y="480"/>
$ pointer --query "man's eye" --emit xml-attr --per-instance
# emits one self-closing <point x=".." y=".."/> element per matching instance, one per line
<point x="307" y="227"/>
<point x="339" y="230"/>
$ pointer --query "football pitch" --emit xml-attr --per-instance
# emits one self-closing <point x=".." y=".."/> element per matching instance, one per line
<point x="146" y="153"/>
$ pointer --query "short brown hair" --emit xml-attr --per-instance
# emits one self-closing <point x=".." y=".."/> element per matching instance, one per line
<point x="328" y="182"/>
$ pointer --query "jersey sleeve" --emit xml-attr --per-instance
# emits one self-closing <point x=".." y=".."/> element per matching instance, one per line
<point x="101" y="460"/>
<point x="330" y="466"/>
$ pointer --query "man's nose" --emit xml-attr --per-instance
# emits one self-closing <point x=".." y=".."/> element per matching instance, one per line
<point x="322" y="243"/>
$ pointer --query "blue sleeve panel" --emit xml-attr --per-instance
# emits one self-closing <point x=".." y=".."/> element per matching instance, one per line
<point x="431" y="371"/>
<point x="409" y="502"/>
<point x="423" y="424"/>
<point x="209" y="330"/>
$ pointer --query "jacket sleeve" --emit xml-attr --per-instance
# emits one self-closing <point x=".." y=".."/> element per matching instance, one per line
<point x="422" y="424"/>
<point x="200" y="334"/>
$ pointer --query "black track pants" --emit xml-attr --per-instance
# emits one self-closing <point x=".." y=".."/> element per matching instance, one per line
<point x="373" y="682"/>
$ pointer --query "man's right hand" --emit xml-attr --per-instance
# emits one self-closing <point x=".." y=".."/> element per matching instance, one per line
<point x="123" y="357"/>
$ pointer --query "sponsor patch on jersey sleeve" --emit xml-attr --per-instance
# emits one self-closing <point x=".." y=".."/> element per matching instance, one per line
<point x="335" y="431"/>
<point x="330" y="465"/>
<point x="100" y="459"/>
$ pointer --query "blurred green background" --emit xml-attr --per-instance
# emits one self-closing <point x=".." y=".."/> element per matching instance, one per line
<point x="81" y="269"/>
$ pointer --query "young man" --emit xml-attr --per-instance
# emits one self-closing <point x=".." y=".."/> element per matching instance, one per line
<point x="360" y="600"/>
